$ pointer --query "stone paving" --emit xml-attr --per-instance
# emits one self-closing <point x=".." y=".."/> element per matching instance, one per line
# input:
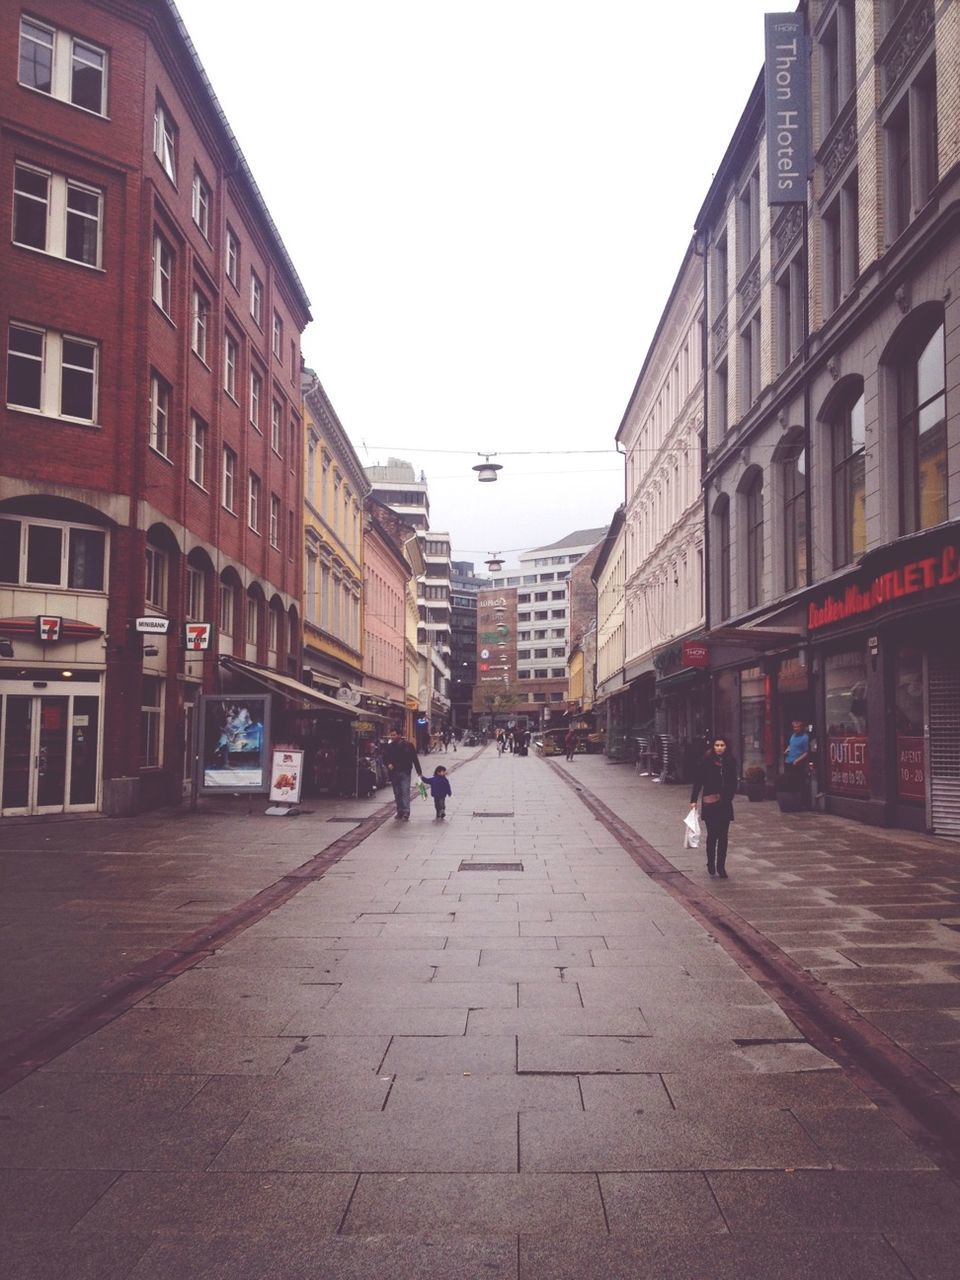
<point x="415" y="1069"/>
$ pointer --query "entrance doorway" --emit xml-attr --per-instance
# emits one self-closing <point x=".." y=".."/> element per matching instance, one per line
<point x="49" y="749"/>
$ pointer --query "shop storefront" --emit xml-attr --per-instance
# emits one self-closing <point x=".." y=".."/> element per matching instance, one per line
<point x="682" y="702"/>
<point x="888" y="686"/>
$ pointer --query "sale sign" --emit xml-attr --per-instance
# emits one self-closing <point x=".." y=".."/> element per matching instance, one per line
<point x="911" y="767"/>
<point x="848" y="770"/>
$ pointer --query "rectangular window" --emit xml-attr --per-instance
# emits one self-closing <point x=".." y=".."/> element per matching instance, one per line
<point x="277" y="336"/>
<point x="229" y="494"/>
<point x="558" y="673"/>
<point x="200" y="204"/>
<point x="52" y="373"/>
<point x="56" y="215"/>
<point x="274" y="521"/>
<point x="721" y="409"/>
<point x="253" y="620"/>
<point x="256" y="395"/>
<point x="201" y="323"/>
<point x="231" y="356"/>
<point x="159" y="415"/>
<point x="165" y="140"/>
<point x="256" y="299"/>
<point x="162" y="273"/>
<point x="227" y="608"/>
<point x="52" y="555"/>
<point x="273" y="630"/>
<point x="151" y="702"/>
<point x="276" y="425"/>
<point x="253" y="503"/>
<point x="63" y="66"/>
<point x="232" y="257"/>
<point x="198" y="450"/>
<point x="195" y="594"/>
<point x="155" y="584"/>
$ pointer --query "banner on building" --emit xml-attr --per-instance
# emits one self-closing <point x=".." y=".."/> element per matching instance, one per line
<point x="787" y="92"/>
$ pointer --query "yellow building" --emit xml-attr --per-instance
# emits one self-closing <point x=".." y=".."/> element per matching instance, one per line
<point x="335" y="486"/>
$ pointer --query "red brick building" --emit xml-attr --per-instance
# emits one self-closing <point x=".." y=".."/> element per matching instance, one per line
<point x="150" y="429"/>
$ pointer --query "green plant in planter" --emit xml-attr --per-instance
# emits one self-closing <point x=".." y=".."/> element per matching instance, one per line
<point x="755" y="782"/>
<point x="755" y="774"/>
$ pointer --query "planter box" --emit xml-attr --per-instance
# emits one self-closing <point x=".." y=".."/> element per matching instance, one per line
<point x="790" y="801"/>
<point x="755" y="791"/>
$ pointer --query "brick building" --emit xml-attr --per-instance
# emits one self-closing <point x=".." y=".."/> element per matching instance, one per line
<point x="151" y="440"/>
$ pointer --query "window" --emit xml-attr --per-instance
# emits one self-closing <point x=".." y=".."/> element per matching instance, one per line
<point x="165" y="140"/>
<point x="231" y="255"/>
<point x="754" y="514"/>
<point x="277" y="336"/>
<point x="541" y="595"/>
<point x="253" y="620"/>
<point x="274" y="521"/>
<point x="722" y="519"/>
<point x="151" y="702"/>
<point x="256" y="299"/>
<point x="200" y="204"/>
<point x="198" y="449"/>
<point x="540" y="673"/>
<point x="795" y="520"/>
<point x="790" y="292"/>
<point x="273" y="630"/>
<point x="231" y="355"/>
<point x="750" y="362"/>
<point x="56" y="215"/>
<point x="922" y="439"/>
<point x="159" y="415"/>
<point x="52" y="373"/>
<point x="228" y="604"/>
<point x="229" y="488"/>
<point x="847" y="440"/>
<point x="837" y="61"/>
<point x="557" y="613"/>
<point x="748" y="222"/>
<point x="523" y="675"/>
<point x="195" y="594"/>
<point x="911" y="131"/>
<point x="256" y="395"/>
<point x="558" y="653"/>
<point x="539" y="653"/>
<point x="52" y="555"/>
<point x="201" y="323"/>
<point x="276" y="425"/>
<point x="155" y="584"/>
<point x="721" y="412"/>
<point x="63" y="66"/>
<point x="253" y="502"/>
<point x="558" y="673"/>
<point x="162" y="273"/>
<point x="841" y="246"/>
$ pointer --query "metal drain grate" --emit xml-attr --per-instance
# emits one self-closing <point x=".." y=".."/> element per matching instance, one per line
<point x="478" y="814"/>
<point x="350" y="820"/>
<point x="490" y="866"/>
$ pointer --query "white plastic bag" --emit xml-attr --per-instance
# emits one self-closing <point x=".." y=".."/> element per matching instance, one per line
<point x="691" y="830"/>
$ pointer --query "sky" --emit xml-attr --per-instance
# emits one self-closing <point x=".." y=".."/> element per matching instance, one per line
<point x="488" y="205"/>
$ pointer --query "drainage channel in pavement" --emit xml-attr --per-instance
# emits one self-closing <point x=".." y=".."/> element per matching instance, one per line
<point x="914" y="1097"/>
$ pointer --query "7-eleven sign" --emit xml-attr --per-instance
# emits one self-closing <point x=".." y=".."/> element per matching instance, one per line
<point x="48" y="628"/>
<point x="197" y="636"/>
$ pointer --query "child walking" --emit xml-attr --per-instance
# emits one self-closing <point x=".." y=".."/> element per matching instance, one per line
<point x="440" y="788"/>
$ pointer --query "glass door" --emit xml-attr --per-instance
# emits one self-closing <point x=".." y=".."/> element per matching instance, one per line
<point x="49" y="748"/>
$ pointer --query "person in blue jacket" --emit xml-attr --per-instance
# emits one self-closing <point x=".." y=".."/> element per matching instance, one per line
<point x="440" y="788"/>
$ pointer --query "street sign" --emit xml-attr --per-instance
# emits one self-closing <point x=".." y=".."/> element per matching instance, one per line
<point x="152" y="626"/>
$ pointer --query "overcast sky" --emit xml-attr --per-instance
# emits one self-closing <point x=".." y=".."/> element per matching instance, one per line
<point x="488" y="205"/>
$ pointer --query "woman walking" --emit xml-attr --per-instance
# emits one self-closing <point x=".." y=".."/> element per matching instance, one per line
<point x="717" y="780"/>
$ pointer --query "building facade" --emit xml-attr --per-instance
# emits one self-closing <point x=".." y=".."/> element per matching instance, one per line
<point x="335" y="486"/>
<point x="387" y="573"/>
<point x="609" y="578"/>
<point x="832" y="478"/>
<point x="661" y="437"/>
<point x="151" y="436"/>
<point x="465" y="587"/>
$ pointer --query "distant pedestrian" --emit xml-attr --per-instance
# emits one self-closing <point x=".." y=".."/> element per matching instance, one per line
<point x="717" y="781"/>
<point x="401" y="759"/>
<point x="523" y="741"/>
<point x="440" y="788"/>
<point x="501" y="741"/>
<point x="570" y="743"/>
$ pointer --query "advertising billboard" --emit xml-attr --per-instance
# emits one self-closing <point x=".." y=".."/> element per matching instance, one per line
<point x="235" y="736"/>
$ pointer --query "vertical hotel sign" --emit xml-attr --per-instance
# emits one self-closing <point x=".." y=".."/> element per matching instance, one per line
<point x="787" y="80"/>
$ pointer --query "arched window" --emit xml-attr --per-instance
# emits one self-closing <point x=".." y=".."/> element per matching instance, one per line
<point x="921" y="429"/>
<point x="753" y="509"/>
<point x="795" y="519"/>
<point x="848" y="484"/>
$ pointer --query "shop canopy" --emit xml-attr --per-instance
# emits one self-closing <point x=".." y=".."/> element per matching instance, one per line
<point x="290" y="688"/>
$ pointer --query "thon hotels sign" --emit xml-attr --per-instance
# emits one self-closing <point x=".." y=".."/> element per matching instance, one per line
<point x="786" y="73"/>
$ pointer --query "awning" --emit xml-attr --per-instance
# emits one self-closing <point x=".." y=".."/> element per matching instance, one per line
<point x="287" y="686"/>
<point x="754" y="637"/>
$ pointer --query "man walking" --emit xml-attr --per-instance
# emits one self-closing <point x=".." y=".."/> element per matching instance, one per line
<point x="401" y="759"/>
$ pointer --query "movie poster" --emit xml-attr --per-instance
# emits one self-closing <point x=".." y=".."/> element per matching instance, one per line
<point x="233" y="751"/>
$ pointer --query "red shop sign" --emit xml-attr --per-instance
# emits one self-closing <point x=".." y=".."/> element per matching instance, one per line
<point x="911" y="768"/>
<point x="694" y="654"/>
<point x="848" y="771"/>
<point x="914" y="578"/>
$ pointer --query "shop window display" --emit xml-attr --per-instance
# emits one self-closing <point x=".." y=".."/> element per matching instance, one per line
<point x="848" y="772"/>
<point x="911" y="752"/>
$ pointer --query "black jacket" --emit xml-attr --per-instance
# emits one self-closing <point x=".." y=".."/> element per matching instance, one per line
<point x="400" y="757"/>
<point x="717" y="777"/>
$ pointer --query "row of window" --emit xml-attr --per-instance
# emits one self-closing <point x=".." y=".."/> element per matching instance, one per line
<point x="332" y="497"/>
<point x="537" y="596"/>
<point x="541" y="615"/>
<point x="555" y="673"/>
<point x="330" y="602"/>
